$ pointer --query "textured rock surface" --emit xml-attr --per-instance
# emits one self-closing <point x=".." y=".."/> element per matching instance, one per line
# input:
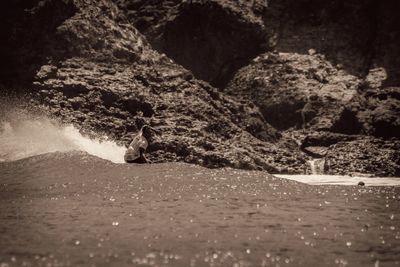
<point x="335" y="69"/>
<point x="211" y="38"/>
<point x="356" y="35"/>
<point x="106" y="78"/>
<point x="373" y="112"/>
<point x="325" y="75"/>
<point x="366" y="155"/>
<point x="294" y="90"/>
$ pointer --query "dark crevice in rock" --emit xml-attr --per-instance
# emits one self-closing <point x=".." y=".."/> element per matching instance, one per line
<point x="137" y="105"/>
<point x="347" y="123"/>
<point x="213" y="39"/>
<point x="283" y="115"/>
<point x="386" y="129"/>
<point x="211" y="42"/>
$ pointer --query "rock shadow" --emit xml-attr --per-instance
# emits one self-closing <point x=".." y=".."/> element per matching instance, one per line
<point x="212" y="41"/>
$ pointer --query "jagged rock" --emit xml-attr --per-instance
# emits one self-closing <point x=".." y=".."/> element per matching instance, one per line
<point x="316" y="151"/>
<point x="294" y="90"/>
<point x="373" y="111"/>
<point x="353" y="35"/>
<point x="334" y="69"/>
<point x="367" y="155"/>
<point x="211" y="38"/>
<point x="347" y="122"/>
<point x="326" y="139"/>
<point x="46" y="72"/>
<point x="104" y="77"/>
<point x="326" y="50"/>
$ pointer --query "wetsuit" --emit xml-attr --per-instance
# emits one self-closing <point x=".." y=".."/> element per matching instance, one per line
<point x="136" y="149"/>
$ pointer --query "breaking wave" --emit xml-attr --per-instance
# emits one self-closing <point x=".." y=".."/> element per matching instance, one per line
<point x="22" y="137"/>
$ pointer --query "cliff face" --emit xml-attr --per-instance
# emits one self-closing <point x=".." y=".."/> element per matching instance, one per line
<point x="321" y="67"/>
<point x="211" y="38"/>
<point x="286" y="72"/>
<point x="358" y="36"/>
<point x="104" y="77"/>
<point x="295" y="90"/>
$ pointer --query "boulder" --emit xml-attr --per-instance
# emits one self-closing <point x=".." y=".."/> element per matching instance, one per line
<point x="367" y="155"/>
<point x="295" y="90"/>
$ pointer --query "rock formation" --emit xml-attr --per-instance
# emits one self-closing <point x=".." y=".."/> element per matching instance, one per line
<point x="102" y="75"/>
<point x="247" y="84"/>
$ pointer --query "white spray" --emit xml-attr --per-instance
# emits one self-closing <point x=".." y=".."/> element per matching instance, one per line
<point x="24" y="137"/>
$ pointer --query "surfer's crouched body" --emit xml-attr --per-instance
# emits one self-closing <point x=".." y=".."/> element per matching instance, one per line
<point x="137" y="147"/>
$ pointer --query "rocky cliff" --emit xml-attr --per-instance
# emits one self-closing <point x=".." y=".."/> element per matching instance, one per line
<point x="247" y="84"/>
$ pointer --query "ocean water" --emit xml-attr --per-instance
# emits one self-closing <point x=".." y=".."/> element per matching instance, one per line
<point x="66" y="200"/>
<point x="75" y="209"/>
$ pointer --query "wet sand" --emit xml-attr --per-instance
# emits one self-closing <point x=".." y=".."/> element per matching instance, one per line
<point x="72" y="209"/>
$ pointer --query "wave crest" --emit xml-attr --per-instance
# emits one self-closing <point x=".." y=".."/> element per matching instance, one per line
<point x="22" y="137"/>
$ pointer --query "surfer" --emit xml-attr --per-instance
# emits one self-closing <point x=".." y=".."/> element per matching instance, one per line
<point x="138" y="145"/>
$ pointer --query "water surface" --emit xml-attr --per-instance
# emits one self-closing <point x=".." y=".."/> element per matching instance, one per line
<point x="71" y="208"/>
<point x="74" y="209"/>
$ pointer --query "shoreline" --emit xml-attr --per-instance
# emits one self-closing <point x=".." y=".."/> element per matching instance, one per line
<point x="344" y="180"/>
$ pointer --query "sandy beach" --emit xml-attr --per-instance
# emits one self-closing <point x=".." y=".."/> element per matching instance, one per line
<point x="73" y="209"/>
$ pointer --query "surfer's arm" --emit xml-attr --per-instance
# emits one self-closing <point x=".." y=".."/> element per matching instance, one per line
<point x="141" y="152"/>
